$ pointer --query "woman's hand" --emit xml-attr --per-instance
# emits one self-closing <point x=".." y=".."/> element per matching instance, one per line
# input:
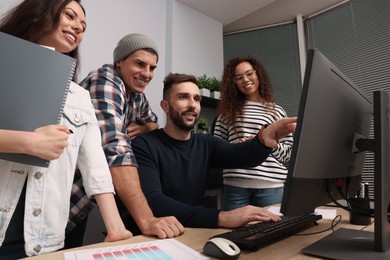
<point x="48" y="142"/>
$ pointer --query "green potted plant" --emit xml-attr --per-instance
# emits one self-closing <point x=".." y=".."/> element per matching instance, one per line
<point x="214" y="87"/>
<point x="209" y="86"/>
<point x="203" y="85"/>
<point x="202" y="126"/>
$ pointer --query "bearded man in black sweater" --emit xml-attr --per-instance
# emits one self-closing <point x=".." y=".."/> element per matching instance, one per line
<point x="173" y="162"/>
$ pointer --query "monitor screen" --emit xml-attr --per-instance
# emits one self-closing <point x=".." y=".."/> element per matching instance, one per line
<point x="333" y="113"/>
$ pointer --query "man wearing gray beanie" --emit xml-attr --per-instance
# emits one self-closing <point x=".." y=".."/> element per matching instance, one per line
<point x="123" y="113"/>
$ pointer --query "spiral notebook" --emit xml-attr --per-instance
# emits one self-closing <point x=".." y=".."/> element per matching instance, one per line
<point x="34" y="83"/>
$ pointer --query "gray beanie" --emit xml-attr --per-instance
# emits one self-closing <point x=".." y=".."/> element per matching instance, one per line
<point x="131" y="43"/>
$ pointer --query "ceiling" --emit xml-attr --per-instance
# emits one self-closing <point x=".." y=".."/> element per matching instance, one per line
<point x="238" y="15"/>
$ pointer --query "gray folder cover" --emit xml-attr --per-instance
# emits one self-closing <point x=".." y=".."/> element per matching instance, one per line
<point x="34" y="82"/>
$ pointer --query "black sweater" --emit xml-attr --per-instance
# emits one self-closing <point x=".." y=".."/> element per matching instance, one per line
<point x="173" y="173"/>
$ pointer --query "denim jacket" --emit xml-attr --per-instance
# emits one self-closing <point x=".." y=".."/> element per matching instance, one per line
<point x="48" y="189"/>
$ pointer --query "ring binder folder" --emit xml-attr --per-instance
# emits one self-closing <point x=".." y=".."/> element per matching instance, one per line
<point x="73" y="69"/>
<point x="34" y="83"/>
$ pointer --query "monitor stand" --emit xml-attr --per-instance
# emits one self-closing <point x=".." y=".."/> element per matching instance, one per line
<point x="346" y="244"/>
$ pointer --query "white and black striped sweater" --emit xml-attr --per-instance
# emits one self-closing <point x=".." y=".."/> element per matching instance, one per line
<point x="272" y="172"/>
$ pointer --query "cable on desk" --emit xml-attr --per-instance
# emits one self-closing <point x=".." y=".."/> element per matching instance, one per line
<point x="358" y="209"/>
<point x="366" y="226"/>
<point x="336" y="220"/>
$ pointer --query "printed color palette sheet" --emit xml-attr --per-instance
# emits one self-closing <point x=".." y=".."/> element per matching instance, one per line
<point x="166" y="249"/>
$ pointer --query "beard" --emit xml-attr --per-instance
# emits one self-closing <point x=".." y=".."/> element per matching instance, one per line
<point x="177" y="119"/>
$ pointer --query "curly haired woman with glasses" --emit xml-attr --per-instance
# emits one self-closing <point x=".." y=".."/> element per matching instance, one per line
<point x="247" y="104"/>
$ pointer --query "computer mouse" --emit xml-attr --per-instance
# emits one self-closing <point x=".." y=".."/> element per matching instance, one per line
<point x="221" y="248"/>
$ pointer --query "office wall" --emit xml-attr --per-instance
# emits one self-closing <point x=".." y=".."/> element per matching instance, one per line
<point x="6" y="4"/>
<point x="197" y="42"/>
<point x="188" y="41"/>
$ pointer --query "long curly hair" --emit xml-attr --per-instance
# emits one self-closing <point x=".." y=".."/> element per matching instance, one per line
<point x="33" y="19"/>
<point x="232" y="99"/>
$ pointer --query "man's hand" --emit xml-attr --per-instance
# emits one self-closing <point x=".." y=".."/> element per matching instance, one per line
<point x="277" y="130"/>
<point x="128" y="188"/>
<point x="241" y="216"/>
<point x="134" y="130"/>
<point x="164" y="227"/>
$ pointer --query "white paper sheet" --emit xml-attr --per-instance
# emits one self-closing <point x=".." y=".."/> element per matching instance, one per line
<point x="326" y="213"/>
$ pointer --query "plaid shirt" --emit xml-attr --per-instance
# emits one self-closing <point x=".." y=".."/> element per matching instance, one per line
<point x="115" y="110"/>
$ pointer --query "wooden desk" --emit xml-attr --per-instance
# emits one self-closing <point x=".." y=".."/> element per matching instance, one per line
<point x="288" y="248"/>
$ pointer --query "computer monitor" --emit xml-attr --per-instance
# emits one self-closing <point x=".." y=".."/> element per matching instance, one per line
<point x="333" y="112"/>
<point x="330" y="142"/>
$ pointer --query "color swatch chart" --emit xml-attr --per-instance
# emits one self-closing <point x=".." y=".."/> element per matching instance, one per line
<point x="148" y="252"/>
<point x="164" y="249"/>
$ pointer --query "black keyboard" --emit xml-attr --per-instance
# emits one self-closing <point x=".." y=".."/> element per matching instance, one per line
<point x="254" y="236"/>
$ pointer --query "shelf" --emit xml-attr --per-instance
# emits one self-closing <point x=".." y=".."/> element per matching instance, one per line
<point x="209" y="102"/>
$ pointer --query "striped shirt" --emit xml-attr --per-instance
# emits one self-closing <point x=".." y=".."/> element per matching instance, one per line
<point x="271" y="173"/>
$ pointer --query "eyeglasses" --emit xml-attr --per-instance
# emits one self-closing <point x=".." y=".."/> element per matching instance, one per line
<point x="249" y="74"/>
